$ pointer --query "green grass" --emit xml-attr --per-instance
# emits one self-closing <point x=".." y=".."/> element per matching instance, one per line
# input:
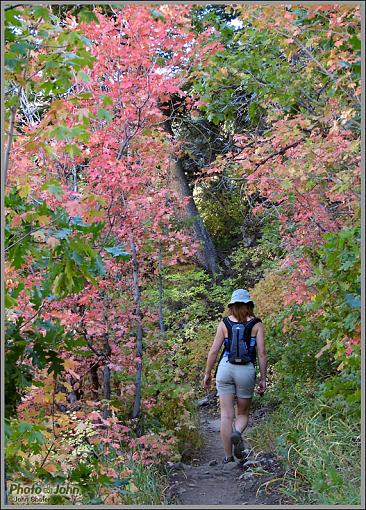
<point x="319" y="447"/>
<point x="150" y="482"/>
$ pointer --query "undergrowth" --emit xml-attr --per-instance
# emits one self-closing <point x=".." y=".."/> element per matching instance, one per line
<point x="319" y="447"/>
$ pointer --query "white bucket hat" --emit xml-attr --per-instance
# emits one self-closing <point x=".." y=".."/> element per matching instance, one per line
<point x="240" y="296"/>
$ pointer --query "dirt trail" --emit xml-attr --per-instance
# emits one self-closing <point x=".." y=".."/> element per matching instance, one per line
<point x="206" y="481"/>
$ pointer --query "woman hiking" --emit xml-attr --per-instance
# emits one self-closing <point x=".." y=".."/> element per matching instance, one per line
<point x="242" y="334"/>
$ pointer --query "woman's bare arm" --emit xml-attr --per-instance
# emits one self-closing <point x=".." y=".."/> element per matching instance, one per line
<point x="212" y="355"/>
<point x="262" y="358"/>
<point x="217" y="343"/>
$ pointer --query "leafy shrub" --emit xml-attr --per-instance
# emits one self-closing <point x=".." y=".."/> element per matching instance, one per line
<point x="314" y="349"/>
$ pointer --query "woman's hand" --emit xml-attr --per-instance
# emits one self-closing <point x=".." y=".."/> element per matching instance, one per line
<point x="207" y="380"/>
<point x="261" y="386"/>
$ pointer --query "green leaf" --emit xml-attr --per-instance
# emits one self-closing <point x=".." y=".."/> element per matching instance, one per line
<point x="118" y="252"/>
<point x="9" y="35"/>
<point x="20" y="47"/>
<point x="24" y="427"/>
<point x="76" y="220"/>
<point x="82" y="75"/>
<point x="252" y="110"/>
<point x="157" y="14"/>
<point x="80" y="133"/>
<point x="85" y="95"/>
<point x="11" y="17"/>
<point x="104" y="114"/>
<point x="54" y="187"/>
<point x="36" y="437"/>
<point x="106" y="100"/>
<point x="43" y="33"/>
<point x="355" y="42"/>
<point x="41" y="12"/>
<point x="9" y="301"/>
<point x="12" y="63"/>
<point x="99" y="267"/>
<point x="78" y="342"/>
<point x="86" y="41"/>
<point x="353" y="301"/>
<point x="19" y="288"/>
<point x="356" y="68"/>
<point x="61" y="132"/>
<point x="72" y="150"/>
<point x="18" y="254"/>
<point x="63" y="233"/>
<point x="88" y="16"/>
<point x="37" y="296"/>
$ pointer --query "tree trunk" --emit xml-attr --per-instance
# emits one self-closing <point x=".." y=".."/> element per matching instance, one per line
<point x="206" y="256"/>
<point x="9" y="143"/>
<point x="75" y="178"/>
<point x="137" y="302"/>
<point x="106" y="375"/>
<point x="95" y="381"/>
<point x="106" y="389"/>
<point x="161" y="318"/>
<point x="6" y="500"/>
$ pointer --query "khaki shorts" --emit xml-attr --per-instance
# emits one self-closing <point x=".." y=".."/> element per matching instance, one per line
<point x="236" y="380"/>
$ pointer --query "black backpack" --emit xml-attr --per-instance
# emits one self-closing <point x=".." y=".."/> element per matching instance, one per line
<point x="238" y="342"/>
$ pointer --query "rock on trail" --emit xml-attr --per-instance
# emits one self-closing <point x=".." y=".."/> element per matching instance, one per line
<point x="206" y="481"/>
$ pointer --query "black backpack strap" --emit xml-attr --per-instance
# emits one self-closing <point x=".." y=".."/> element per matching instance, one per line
<point x="248" y="329"/>
<point x="227" y="323"/>
<point x="250" y="325"/>
<point x="255" y="321"/>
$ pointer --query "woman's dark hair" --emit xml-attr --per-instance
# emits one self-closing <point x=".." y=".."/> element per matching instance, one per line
<point x="241" y="311"/>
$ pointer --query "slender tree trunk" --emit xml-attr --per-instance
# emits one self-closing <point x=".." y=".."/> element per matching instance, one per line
<point x="6" y="500"/>
<point x="13" y="114"/>
<point x="95" y="382"/>
<point x="106" y="375"/>
<point x="75" y="178"/>
<point x="207" y="256"/>
<point x="137" y="302"/>
<point x="161" y="290"/>
<point x="106" y="389"/>
<point x="9" y="144"/>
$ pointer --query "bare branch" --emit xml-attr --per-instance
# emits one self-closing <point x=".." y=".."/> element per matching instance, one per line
<point x="10" y="141"/>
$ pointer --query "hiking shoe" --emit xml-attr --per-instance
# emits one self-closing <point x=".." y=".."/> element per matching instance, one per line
<point x="238" y="443"/>
<point x="228" y="459"/>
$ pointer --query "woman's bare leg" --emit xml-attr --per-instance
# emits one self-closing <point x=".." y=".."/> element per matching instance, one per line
<point x="242" y="413"/>
<point x="227" y="418"/>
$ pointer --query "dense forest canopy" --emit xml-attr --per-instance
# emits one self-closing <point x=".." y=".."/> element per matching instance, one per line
<point x="156" y="158"/>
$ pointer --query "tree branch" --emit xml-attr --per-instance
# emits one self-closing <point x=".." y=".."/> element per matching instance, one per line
<point x="10" y="141"/>
<point x="263" y="161"/>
